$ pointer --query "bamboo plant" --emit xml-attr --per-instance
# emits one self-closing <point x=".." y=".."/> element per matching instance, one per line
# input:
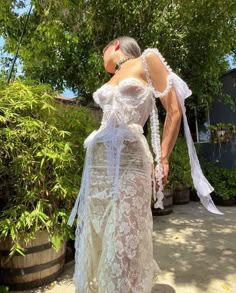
<point x="41" y="159"/>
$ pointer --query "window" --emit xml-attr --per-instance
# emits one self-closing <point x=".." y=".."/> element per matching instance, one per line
<point x="199" y="120"/>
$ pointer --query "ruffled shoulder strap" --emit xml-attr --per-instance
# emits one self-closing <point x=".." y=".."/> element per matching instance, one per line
<point x="201" y="184"/>
<point x="156" y="93"/>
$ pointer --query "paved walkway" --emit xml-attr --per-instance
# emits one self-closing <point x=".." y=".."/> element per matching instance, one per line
<point x="195" y="249"/>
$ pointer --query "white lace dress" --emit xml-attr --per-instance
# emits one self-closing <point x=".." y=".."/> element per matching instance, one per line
<point x="114" y="250"/>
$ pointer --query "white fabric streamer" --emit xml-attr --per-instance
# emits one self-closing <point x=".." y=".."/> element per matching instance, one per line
<point x="201" y="184"/>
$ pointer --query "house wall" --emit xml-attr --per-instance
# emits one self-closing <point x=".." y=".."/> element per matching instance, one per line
<point x="225" y="153"/>
<point x="221" y="112"/>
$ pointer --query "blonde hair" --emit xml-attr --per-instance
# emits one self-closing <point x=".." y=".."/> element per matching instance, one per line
<point x="128" y="45"/>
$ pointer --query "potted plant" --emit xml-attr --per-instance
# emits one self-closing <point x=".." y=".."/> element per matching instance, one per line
<point x="40" y="170"/>
<point x="180" y="172"/>
<point x="222" y="132"/>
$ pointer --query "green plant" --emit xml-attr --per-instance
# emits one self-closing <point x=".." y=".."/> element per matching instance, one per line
<point x="180" y="170"/>
<point x="222" y="132"/>
<point x="222" y="179"/>
<point x="4" y="289"/>
<point x="64" y="38"/>
<point x="41" y="159"/>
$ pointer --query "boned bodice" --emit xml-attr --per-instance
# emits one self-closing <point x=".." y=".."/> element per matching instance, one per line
<point x="129" y="102"/>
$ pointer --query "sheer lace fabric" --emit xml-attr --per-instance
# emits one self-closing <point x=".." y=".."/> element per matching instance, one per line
<point x="114" y="252"/>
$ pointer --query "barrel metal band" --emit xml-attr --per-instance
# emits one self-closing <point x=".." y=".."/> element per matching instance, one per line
<point x="29" y="250"/>
<point x="32" y="269"/>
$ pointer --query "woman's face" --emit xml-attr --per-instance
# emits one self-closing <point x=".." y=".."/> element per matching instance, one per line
<point x="108" y="57"/>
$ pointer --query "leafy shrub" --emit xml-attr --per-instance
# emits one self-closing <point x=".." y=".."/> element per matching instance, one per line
<point x="180" y="169"/>
<point x="4" y="289"/>
<point x="222" y="179"/>
<point x="41" y="160"/>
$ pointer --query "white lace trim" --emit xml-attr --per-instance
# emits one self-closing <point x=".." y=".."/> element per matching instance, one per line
<point x="155" y="132"/>
<point x="157" y="93"/>
<point x="156" y="145"/>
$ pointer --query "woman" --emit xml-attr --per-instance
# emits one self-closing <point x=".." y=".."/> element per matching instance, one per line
<point x="114" y="251"/>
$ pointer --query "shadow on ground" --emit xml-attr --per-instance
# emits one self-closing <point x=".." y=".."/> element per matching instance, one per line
<point x="197" y="248"/>
<point x="163" y="288"/>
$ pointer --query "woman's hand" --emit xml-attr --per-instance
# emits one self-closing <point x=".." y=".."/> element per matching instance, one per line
<point x="165" y="167"/>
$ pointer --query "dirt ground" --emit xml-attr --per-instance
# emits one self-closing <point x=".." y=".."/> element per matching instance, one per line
<point x="196" y="251"/>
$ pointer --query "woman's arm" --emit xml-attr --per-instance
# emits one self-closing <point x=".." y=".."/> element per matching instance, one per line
<point x="159" y="75"/>
<point x="172" y="123"/>
<point x="172" y="91"/>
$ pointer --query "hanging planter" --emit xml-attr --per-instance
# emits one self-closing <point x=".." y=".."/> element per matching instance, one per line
<point x="222" y="132"/>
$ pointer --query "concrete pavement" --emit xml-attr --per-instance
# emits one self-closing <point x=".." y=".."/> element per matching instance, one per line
<point x="195" y="249"/>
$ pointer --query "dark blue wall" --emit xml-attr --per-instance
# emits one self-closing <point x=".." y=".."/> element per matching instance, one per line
<point x="225" y="155"/>
<point x="220" y="112"/>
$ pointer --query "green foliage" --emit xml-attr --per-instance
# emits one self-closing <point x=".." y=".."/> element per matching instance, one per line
<point x="227" y="100"/>
<point x="41" y="161"/>
<point x="80" y="122"/>
<point x="180" y="169"/>
<point x="4" y="289"/>
<point x="64" y="40"/>
<point x="222" y="179"/>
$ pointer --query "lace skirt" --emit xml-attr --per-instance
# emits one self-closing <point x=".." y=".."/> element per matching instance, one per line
<point x="114" y="250"/>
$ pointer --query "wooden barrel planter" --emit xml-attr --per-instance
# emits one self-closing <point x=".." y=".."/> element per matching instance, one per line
<point x="167" y="203"/>
<point x="181" y="195"/>
<point x="40" y="266"/>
